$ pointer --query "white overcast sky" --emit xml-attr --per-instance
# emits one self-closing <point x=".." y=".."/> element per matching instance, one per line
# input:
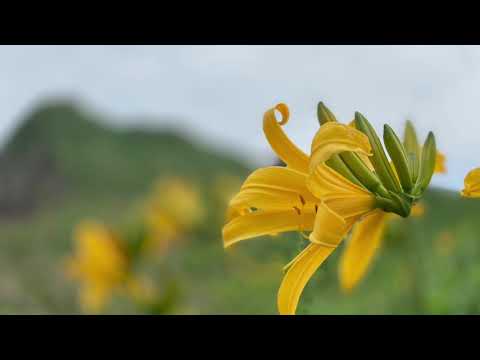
<point x="219" y="93"/>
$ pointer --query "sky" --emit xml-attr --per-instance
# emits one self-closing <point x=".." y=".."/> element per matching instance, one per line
<point x="219" y="93"/>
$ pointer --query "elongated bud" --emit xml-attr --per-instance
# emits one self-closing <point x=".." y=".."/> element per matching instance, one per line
<point x="324" y="114"/>
<point x="379" y="159"/>
<point x="427" y="166"/>
<point x="412" y="149"/>
<point x="364" y="174"/>
<point x="337" y="164"/>
<point x="399" y="158"/>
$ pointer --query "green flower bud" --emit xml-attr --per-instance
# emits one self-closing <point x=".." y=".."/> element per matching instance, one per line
<point x="379" y="159"/>
<point x="427" y="166"/>
<point x="412" y="149"/>
<point x="399" y="158"/>
<point x="324" y="114"/>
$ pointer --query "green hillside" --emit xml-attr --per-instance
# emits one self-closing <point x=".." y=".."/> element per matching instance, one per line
<point x="98" y="172"/>
<point x="64" y="164"/>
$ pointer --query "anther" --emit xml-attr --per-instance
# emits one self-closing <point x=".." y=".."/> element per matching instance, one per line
<point x="302" y="200"/>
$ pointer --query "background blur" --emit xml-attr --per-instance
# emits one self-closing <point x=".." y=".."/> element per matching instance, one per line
<point x="86" y="132"/>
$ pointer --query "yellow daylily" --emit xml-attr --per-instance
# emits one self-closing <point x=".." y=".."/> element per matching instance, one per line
<point x="472" y="184"/>
<point x="179" y="200"/>
<point x="326" y="193"/>
<point x="162" y="232"/>
<point x="99" y="263"/>
<point x="174" y="207"/>
<point x="306" y="195"/>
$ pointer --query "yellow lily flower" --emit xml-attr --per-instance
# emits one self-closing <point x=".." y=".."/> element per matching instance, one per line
<point x="313" y="193"/>
<point x="99" y="263"/>
<point x="472" y="184"/>
<point x="306" y="195"/>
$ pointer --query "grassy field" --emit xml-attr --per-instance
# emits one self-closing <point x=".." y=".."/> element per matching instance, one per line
<point x="427" y="265"/>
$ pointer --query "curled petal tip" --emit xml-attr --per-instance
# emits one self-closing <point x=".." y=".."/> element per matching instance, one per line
<point x="283" y="109"/>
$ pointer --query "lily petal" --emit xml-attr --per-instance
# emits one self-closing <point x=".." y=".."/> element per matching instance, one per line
<point x="274" y="188"/>
<point x="340" y="194"/>
<point x="361" y="248"/>
<point x="297" y="276"/>
<point x="329" y="230"/>
<point x="333" y="138"/>
<point x="472" y="184"/>
<point x="260" y="223"/>
<point x="363" y="157"/>
<point x="329" y="227"/>
<point x="279" y="141"/>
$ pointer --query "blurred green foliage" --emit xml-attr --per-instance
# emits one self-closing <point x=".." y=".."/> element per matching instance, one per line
<point x="427" y="265"/>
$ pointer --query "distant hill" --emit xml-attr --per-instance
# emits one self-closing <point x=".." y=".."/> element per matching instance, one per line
<point x="61" y="148"/>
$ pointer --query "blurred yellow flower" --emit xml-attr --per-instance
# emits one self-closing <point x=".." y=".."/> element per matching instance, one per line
<point x="472" y="184"/>
<point x="440" y="167"/>
<point x="178" y="201"/>
<point x="99" y="264"/>
<point x="174" y="207"/>
<point x="162" y="231"/>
